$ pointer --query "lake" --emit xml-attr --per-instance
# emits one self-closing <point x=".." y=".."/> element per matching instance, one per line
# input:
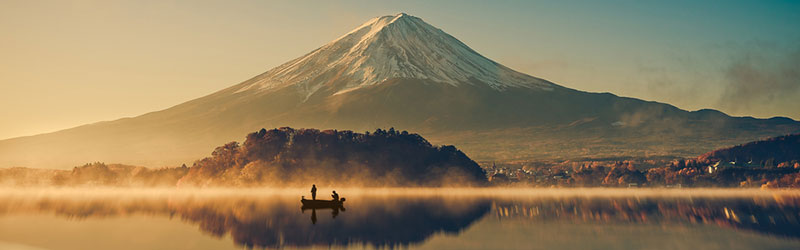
<point x="120" y="218"/>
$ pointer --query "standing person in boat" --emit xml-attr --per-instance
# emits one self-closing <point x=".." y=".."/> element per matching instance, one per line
<point x="335" y="196"/>
<point x="313" y="191"/>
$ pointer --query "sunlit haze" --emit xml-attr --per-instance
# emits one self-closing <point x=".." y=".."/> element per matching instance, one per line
<point x="205" y="124"/>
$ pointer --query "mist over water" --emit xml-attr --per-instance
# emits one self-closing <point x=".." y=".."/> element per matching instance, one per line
<point x="425" y="218"/>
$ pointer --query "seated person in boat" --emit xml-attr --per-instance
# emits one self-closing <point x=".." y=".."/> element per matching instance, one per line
<point x="335" y="196"/>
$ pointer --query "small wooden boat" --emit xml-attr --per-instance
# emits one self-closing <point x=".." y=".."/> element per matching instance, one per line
<point x="321" y="203"/>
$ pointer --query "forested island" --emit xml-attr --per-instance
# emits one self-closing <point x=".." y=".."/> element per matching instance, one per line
<point x="296" y="157"/>
<point x="287" y="157"/>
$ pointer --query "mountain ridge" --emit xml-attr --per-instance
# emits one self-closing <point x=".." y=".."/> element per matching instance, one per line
<point x="399" y="46"/>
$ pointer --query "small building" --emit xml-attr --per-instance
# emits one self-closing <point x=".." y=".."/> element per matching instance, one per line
<point x="499" y="178"/>
<point x="714" y="168"/>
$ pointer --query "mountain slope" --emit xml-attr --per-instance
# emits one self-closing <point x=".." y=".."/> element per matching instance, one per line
<point x="398" y="71"/>
<point x="399" y="46"/>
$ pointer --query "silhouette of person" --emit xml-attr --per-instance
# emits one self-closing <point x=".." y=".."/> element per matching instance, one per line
<point x="335" y="196"/>
<point x="313" y="191"/>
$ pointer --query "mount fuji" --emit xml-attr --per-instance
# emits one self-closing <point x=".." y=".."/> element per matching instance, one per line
<point x="399" y="71"/>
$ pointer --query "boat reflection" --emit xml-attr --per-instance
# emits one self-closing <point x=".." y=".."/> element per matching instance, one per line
<point x="334" y="212"/>
<point x="313" y="205"/>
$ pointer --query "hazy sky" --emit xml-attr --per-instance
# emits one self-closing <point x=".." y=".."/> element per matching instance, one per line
<point x="67" y="63"/>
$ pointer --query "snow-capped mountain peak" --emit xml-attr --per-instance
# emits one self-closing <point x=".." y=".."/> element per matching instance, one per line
<point x="386" y="47"/>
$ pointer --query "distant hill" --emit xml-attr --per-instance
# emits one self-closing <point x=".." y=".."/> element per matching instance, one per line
<point x="763" y="152"/>
<point x="301" y="157"/>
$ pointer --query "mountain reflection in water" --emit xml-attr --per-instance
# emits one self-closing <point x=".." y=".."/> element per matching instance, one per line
<point x="274" y="221"/>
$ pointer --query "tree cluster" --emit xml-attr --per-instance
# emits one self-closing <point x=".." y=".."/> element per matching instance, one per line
<point x="287" y="156"/>
<point x="768" y="152"/>
<point x="93" y="174"/>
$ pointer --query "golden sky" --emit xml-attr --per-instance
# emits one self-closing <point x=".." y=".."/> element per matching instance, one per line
<point x="67" y="63"/>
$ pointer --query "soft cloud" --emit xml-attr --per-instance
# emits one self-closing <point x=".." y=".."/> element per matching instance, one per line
<point x="757" y="78"/>
<point x="763" y="82"/>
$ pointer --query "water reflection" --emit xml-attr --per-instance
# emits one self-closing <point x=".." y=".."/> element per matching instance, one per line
<point x="777" y="216"/>
<point x="275" y="221"/>
<point x="334" y="212"/>
<point x="271" y="224"/>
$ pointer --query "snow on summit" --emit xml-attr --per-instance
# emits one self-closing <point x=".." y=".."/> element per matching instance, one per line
<point x="396" y="46"/>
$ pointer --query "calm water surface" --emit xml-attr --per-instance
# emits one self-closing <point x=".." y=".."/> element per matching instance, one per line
<point x="409" y="218"/>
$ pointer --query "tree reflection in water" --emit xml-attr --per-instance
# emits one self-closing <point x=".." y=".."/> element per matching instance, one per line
<point x="265" y="221"/>
<point x="273" y="222"/>
<point x="258" y="223"/>
<point x="777" y="216"/>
